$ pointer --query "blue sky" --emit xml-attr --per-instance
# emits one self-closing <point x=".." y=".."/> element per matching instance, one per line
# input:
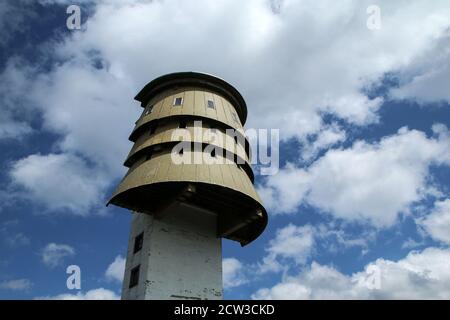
<point x="360" y="207"/>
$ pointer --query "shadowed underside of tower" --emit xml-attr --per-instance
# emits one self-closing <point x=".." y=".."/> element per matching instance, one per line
<point x="155" y="182"/>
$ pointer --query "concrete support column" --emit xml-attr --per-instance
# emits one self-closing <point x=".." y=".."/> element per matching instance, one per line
<point x="175" y="256"/>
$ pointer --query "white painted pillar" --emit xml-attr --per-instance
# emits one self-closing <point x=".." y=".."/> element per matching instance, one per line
<point x="180" y="258"/>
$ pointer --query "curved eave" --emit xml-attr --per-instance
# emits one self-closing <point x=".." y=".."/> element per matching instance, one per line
<point x="198" y="79"/>
<point x="234" y="207"/>
<point x="143" y="125"/>
<point x="131" y="159"/>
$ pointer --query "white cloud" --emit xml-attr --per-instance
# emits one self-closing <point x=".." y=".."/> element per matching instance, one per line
<point x="425" y="80"/>
<point x="294" y="246"/>
<point x="411" y="244"/>
<point x="291" y="242"/>
<point x="437" y="223"/>
<point x="420" y="275"/>
<point x="303" y="74"/>
<point x="371" y="183"/>
<point x="285" y="191"/>
<point x="233" y="273"/>
<point x="320" y="77"/>
<point x="16" y="284"/>
<point x="327" y="137"/>
<point x="60" y="182"/>
<point x="333" y="237"/>
<point x="54" y="254"/>
<point x="94" y="294"/>
<point x="116" y="269"/>
<point x="93" y="110"/>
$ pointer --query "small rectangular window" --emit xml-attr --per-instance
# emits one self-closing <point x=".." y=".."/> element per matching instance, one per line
<point x="139" y="240"/>
<point x="211" y="104"/>
<point x="213" y="153"/>
<point x="178" y="101"/>
<point x="134" y="277"/>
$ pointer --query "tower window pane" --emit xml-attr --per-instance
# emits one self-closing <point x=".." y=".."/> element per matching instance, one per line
<point x="134" y="277"/>
<point x="178" y="101"/>
<point x="211" y="104"/>
<point x="139" y="240"/>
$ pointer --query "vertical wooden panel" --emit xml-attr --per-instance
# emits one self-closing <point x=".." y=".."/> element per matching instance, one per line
<point x="188" y="104"/>
<point x="158" y="109"/>
<point x="189" y="172"/>
<point x="216" y="175"/>
<point x="226" y="174"/>
<point x="164" y="162"/>
<point x="199" y="108"/>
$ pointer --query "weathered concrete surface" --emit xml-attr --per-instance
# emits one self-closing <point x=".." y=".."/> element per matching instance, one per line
<point x="181" y="257"/>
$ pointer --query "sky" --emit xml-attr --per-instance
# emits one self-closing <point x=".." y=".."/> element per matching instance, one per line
<point x="360" y="206"/>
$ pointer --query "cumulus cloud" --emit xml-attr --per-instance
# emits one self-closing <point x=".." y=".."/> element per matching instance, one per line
<point x="294" y="245"/>
<point x="54" y="254"/>
<point x="92" y="109"/>
<point x="94" y="294"/>
<point x="425" y="79"/>
<point x="291" y="242"/>
<point x="437" y="223"/>
<point x="411" y="244"/>
<point x="292" y="248"/>
<point x="371" y="183"/>
<point x="59" y="182"/>
<point x="233" y="273"/>
<point x="16" y="284"/>
<point x="304" y="78"/>
<point x="327" y="137"/>
<point x="116" y="269"/>
<point x="420" y="275"/>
